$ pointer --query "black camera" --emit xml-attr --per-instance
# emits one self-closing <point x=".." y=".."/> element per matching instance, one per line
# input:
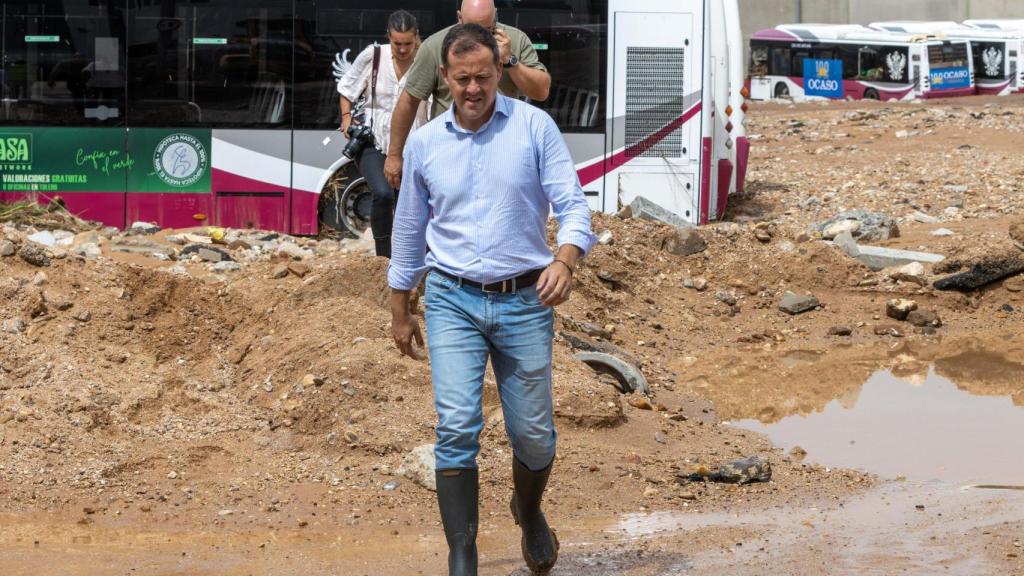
<point x="360" y="134"/>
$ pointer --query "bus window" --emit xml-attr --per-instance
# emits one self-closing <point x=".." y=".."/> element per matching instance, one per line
<point x="63" y="69"/>
<point x="798" y="61"/>
<point x="759" y="60"/>
<point x="571" y="40"/>
<point x="330" y="34"/>
<point x="989" y="59"/>
<point x="781" y="58"/>
<point x="219" y="64"/>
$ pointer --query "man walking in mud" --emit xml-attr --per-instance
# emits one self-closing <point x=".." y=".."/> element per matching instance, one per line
<point x="480" y="182"/>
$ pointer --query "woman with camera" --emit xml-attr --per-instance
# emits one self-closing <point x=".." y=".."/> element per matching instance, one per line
<point x="378" y="76"/>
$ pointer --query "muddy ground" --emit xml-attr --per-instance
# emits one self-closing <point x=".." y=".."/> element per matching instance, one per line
<point x="166" y="418"/>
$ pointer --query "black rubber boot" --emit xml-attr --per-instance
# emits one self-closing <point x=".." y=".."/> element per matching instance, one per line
<point x="458" y="495"/>
<point x="539" y="543"/>
<point x="382" y="245"/>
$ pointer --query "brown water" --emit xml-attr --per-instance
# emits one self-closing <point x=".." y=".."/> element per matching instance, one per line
<point x="921" y="427"/>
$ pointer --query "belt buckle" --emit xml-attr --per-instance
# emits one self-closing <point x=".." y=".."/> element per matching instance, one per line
<point x="504" y="289"/>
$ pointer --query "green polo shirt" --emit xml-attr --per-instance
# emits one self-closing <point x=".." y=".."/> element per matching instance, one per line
<point x="424" y="78"/>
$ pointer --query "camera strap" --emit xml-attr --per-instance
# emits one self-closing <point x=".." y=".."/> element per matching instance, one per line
<point x="373" y="80"/>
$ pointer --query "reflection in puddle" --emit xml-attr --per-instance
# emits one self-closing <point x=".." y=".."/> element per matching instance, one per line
<point x="923" y="428"/>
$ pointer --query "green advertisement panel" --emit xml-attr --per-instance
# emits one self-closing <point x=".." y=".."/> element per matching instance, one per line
<point x="55" y="160"/>
<point x="63" y="160"/>
<point x="169" y="160"/>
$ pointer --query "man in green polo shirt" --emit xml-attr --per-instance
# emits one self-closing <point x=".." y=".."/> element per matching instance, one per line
<point x="523" y="75"/>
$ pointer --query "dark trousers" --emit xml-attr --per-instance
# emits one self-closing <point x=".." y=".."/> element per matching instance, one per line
<point x="382" y="214"/>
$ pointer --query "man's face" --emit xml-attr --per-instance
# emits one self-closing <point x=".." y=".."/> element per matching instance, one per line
<point x="473" y="80"/>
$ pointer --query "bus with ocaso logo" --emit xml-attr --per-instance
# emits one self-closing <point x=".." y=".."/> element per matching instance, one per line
<point x="998" y="55"/>
<point x="815" y="61"/>
<point x="187" y="112"/>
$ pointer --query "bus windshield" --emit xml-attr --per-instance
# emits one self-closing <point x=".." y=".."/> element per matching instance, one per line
<point x="948" y="55"/>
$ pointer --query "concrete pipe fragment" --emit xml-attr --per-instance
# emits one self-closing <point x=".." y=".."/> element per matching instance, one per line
<point x="629" y="377"/>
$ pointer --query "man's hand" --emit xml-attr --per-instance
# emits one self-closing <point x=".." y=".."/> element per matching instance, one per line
<point x="554" y="284"/>
<point x="404" y="327"/>
<point x="346" y="121"/>
<point x="504" y="45"/>
<point x="393" y="171"/>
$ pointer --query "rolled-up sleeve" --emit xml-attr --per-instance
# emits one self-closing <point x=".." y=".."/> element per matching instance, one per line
<point x="562" y="187"/>
<point x="356" y="78"/>
<point x="412" y="214"/>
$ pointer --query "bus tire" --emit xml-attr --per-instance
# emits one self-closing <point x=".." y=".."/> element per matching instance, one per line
<point x="781" y="90"/>
<point x="871" y="94"/>
<point x="345" y="203"/>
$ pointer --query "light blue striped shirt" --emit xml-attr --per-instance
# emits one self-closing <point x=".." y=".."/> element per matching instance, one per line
<point x="480" y="200"/>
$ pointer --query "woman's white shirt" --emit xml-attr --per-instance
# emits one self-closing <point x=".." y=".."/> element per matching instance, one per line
<point x="357" y="80"/>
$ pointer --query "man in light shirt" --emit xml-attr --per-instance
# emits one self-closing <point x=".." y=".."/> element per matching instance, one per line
<point x="480" y="182"/>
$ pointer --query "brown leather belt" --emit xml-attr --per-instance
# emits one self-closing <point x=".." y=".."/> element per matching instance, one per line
<point x="504" y="287"/>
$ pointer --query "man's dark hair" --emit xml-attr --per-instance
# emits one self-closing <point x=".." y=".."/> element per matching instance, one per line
<point x="465" y="38"/>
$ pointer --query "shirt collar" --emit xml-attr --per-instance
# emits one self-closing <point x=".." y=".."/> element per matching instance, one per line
<point x="501" y="106"/>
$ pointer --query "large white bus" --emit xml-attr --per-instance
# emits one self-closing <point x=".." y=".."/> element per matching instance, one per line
<point x="805" y="61"/>
<point x="225" y="112"/>
<point x="997" y="54"/>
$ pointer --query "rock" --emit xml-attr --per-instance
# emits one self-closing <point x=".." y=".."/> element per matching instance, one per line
<point x="951" y="213"/>
<point x="684" y="242"/>
<point x="419" y="466"/>
<point x="874" y="226"/>
<point x="298" y="268"/>
<point x="1015" y="284"/>
<point x="393" y="485"/>
<point x="14" y="326"/>
<point x="629" y="377"/>
<point x="34" y="255"/>
<point x="943" y="233"/>
<point x="913" y="273"/>
<point x="922" y="318"/>
<point x="293" y="251"/>
<point x="898" y="309"/>
<point x="851" y="227"/>
<point x="924" y="218"/>
<point x="213" y="255"/>
<point x="640" y="402"/>
<point x="7" y="248"/>
<point x="312" y="380"/>
<point x="279" y="272"/>
<point x="888" y="330"/>
<point x="227" y="267"/>
<point x="725" y="298"/>
<point x="40" y="278"/>
<point x="83" y="316"/>
<point x="763" y="232"/>
<point x="845" y="242"/>
<point x="172" y="475"/>
<point x="797" y="453"/>
<point x="46" y="238"/>
<point x="698" y="284"/>
<point x="143" y="228"/>
<point x="644" y="209"/>
<point x="144" y="247"/>
<point x="745" y="471"/>
<point x="840" y="331"/>
<point x="605" y="238"/>
<point x="616" y="279"/>
<point x="793" y="303"/>
<point x="89" y="251"/>
<point x="877" y="258"/>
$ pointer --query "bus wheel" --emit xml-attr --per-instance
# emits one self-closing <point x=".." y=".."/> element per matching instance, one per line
<point x="781" y="90"/>
<point x="871" y="94"/>
<point x="345" y="204"/>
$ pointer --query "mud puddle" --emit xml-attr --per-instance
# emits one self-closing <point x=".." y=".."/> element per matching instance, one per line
<point x="922" y="427"/>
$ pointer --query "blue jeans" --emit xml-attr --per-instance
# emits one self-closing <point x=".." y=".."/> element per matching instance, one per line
<point x="465" y="327"/>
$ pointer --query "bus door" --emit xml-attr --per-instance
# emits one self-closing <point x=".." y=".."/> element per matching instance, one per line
<point x="656" y="73"/>
<point x="210" y="113"/>
<point x="62" y="108"/>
